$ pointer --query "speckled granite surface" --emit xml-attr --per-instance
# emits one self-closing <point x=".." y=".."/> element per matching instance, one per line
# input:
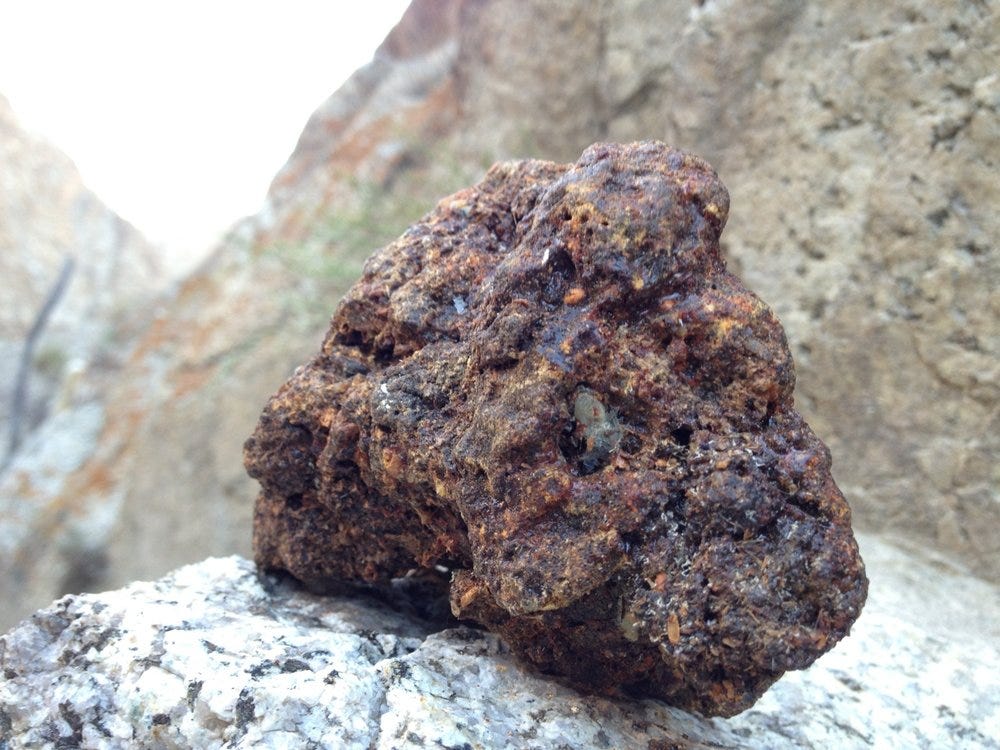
<point x="213" y="656"/>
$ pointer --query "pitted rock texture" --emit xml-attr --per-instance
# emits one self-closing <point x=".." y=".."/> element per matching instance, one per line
<point x="551" y="390"/>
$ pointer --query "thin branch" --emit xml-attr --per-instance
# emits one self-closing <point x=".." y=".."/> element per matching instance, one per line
<point x="19" y="397"/>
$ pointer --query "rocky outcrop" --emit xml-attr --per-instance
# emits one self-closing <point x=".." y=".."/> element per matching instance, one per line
<point x="61" y="251"/>
<point x="50" y="215"/>
<point x="859" y="147"/>
<point x="170" y="447"/>
<point x="214" y="655"/>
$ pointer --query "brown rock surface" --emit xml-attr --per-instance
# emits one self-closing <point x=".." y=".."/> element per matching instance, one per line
<point x="552" y="387"/>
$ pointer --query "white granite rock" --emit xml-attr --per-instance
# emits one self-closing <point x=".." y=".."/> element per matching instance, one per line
<point x="215" y="656"/>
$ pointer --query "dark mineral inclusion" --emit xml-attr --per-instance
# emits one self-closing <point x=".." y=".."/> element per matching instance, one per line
<point x="551" y="395"/>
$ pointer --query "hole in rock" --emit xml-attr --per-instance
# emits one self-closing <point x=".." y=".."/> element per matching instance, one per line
<point x="592" y="435"/>
<point x="559" y="272"/>
<point x="682" y="435"/>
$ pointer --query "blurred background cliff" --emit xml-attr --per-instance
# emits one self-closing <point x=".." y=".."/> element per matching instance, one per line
<point x="860" y="143"/>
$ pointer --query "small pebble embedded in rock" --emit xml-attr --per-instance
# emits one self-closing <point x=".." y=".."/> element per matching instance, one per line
<point x="594" y="453"/>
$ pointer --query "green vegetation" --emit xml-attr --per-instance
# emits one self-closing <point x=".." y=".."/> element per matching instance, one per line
<point x="371" y="215"/>
<point x="50" y="361"/>
<point x="340" y="242"/>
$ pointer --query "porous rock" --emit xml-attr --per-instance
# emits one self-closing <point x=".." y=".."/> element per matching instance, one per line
<point x="551" y="392"/>
<point x="215" y="656"/>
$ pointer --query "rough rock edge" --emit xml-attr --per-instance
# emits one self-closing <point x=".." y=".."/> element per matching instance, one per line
<point x="551" y="386"/>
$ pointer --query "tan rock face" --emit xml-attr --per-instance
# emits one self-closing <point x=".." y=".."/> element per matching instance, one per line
<point x="858" y="143"/>
<point x="169" y="450"/>
<point x="551" y="387"/>
<point x="48" y="215"/>
<point x="863" y="144"/>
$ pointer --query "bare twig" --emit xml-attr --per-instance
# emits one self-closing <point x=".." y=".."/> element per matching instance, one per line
<point x="19" y="397"/>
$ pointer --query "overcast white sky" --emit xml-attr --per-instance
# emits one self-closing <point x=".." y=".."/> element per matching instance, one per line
<point x="179" y="113"/>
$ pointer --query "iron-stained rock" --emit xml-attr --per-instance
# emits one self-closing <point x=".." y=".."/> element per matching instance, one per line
<point x="551" y="395"/>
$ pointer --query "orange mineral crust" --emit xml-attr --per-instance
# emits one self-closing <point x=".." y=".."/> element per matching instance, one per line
<point x="552" y="389"/>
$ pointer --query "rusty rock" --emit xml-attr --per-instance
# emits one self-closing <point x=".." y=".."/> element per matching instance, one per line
<point x="552" y="396"/>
